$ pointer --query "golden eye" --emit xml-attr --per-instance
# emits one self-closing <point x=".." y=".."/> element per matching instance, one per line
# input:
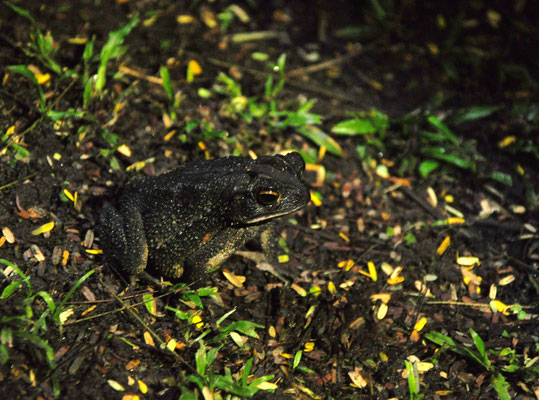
<point x="267" y="197"/>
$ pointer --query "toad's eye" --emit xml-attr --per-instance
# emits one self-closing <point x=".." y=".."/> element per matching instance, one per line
<point x="267" y="197"/>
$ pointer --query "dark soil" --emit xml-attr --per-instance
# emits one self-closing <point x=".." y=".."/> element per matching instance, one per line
<point x="391" y="66"/>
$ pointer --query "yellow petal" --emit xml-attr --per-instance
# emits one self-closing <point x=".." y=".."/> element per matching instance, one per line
<point x="423" y="366"/>
<point x="395" y="276"/>
<point x="387" y="268"/>
<point x="43" y="228"/>
<point x="506" y="280"/>
<point x="396" y="280"/>
<point x="382" y="171"/>
<point x="372" y="271"/>
<point x="65" y="257"/>
<point x="171" y="345"/>
<point x="197" y="320"/>
<point x="346" y="264"/>
<point x="209" y="18"/>
<point x="43" y="78"/>
<point x="8" y="235"/>
<point x="498" y="306"/>
<point x="94" y="251"/>
<point x="267" y="386"/>
<point x="272" y="332"/>
<point x="454" y="220"/>
<point x="443" y="246"/>
<point x="66" y="314"/>
<point x="433" y="48"/>
<point x="315" y="290"/>
<point x="414" y="336"/>
<point x="316" y="200"/>
<point x="185" y="19"/>
<point x="383" y="297"/>
<point x="432" y="198"/>
<point x="148" y="339"/>
<point x="142" y="387"/>
<point x="69" y="195"/>
<point x="493" y="291"/>
<point x="420" y="324"/>
<point x="506" y="141"/>
<point x="299" y="290"/>
<point x="468" y="261"/>
<point x="344" y="237"/>
<point x="322" y="152"/>
<point x="137" y="166"/>
<point x="193" y="69"/>
<point x="169" y="135"/>
<point x="77" y="40"/>
<point x="124" y="150"/>
<point x="346" y="284"/>
<point x="115" y="385"/>
<point x="382" y="311"/>
<point x="331" y="287"/>
<point x="309" y="346"/>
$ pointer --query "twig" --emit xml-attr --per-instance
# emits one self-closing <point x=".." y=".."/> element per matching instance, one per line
<point x="321" y="66"/>
<point x="432" y="211"/>
<point x="144" y="324"/>
<point x="43" y="113"/>
<point x="461" y="303"/>
<point x="261" y="74"/>
<point x="141" y="75"/>
<point x="17" y="181"/>
<point x="259" y="35"/>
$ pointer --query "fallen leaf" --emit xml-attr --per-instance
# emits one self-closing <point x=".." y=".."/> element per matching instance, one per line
<point x="115" y="385"/>
<point x="357" y="378"/>
<point x="236" y="280"/>
<point x="43" y="228"/>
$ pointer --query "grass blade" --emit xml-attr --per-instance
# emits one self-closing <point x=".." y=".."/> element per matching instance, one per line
<point x="480" y="345"/>
<point x="21" y="11"/>
<point x="443" y="128"/>
<point x="321" y="138"/>
<point x="71" y="291"/>
<point x="501" y="386"/>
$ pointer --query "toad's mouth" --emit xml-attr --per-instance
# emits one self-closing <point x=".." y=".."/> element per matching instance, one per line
<point x="265" y="217"/>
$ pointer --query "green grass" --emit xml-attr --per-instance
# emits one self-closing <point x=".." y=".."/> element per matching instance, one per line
<point x="208" y="381"/>
<point x="27" y="324"/>
<point x="413" y="380"/>
<point x="208" y="378"/>
<point x="497" y="364"/>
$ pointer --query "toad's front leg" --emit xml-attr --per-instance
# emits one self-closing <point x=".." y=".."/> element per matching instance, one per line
<point x="123" y="238"/>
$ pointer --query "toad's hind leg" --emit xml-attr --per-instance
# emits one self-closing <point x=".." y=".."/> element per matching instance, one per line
<point x="123" y="239"/>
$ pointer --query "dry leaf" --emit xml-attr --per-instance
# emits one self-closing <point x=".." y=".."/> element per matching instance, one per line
<point x="236" y="280"/>
<point x="357" y="377"/>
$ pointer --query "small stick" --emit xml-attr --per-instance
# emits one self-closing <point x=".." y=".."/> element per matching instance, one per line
<point x="321" y="66"/>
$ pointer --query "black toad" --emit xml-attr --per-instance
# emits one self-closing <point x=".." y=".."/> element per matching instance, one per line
<point x="187" y="221"/>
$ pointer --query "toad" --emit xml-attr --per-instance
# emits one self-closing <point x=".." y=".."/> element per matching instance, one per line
<point x="187" y="221"/>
